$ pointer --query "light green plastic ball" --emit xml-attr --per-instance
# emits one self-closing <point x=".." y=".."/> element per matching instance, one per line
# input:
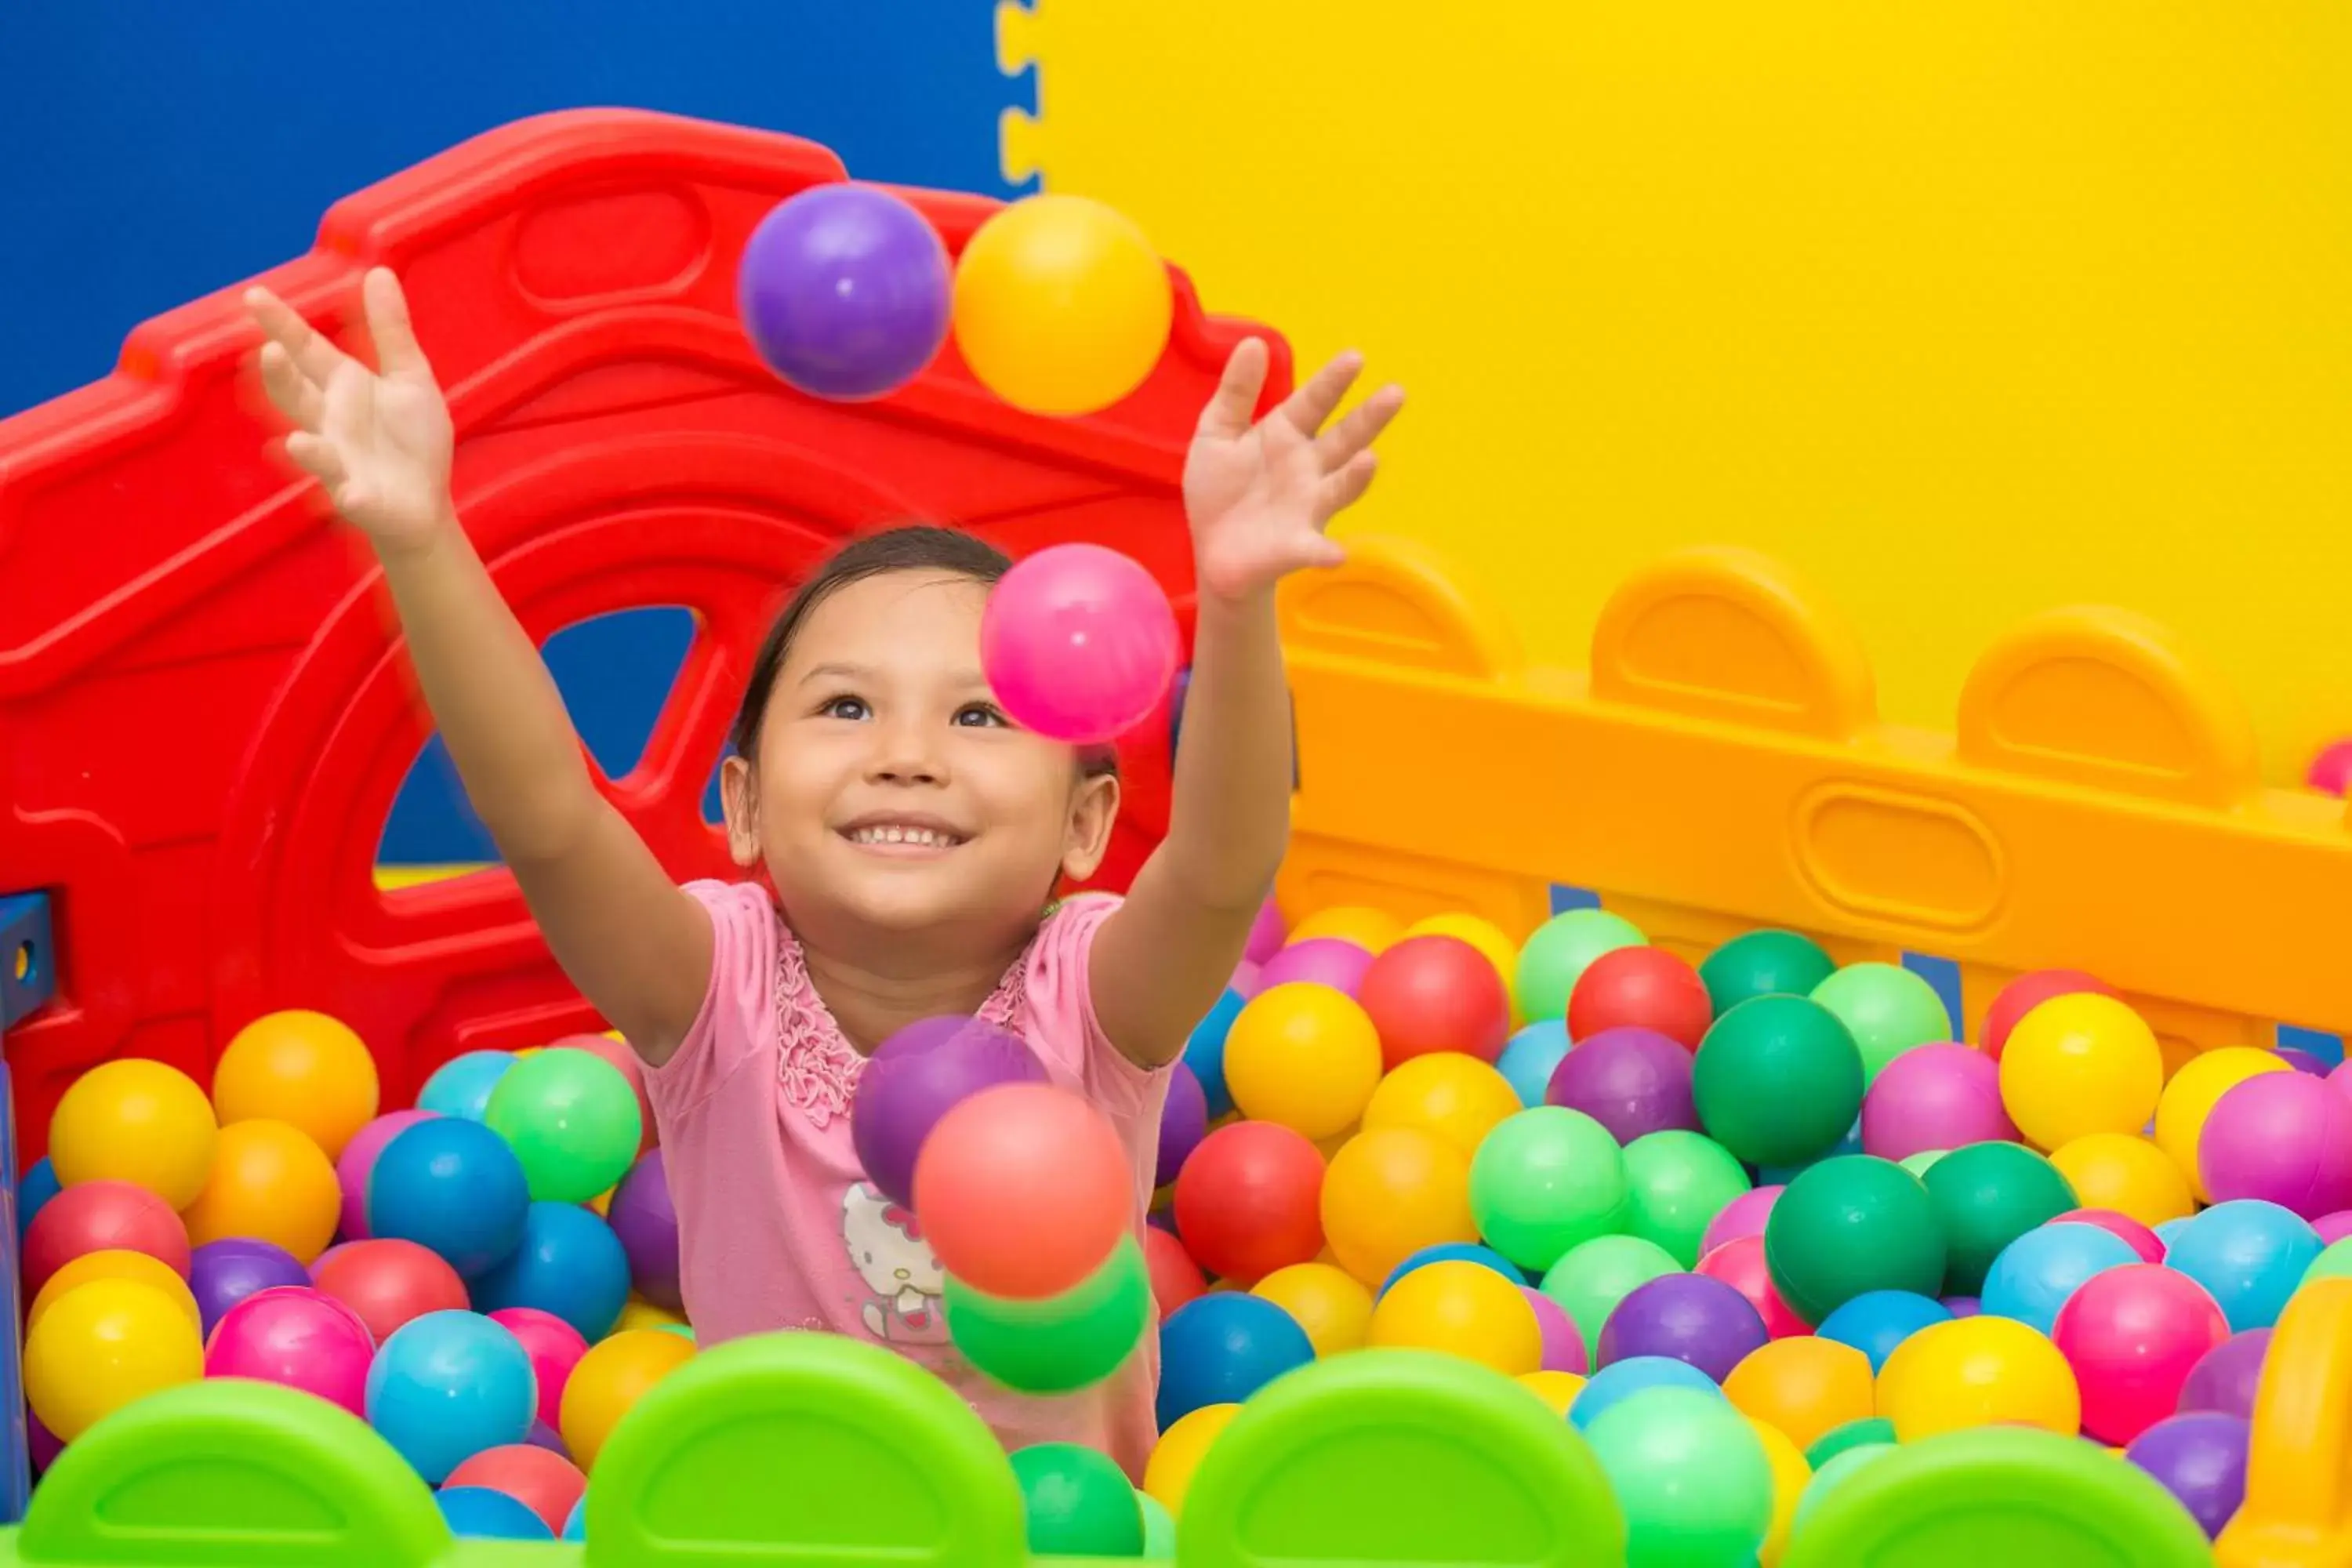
<point x="1691" y="1475"/>
<point x="1593" y="1278"/>
<point x="1888" y="1010"/>
<point x="1545" y="1180"/>
<point x="1559" y="952"/>
<point x="1680" y="1181"/>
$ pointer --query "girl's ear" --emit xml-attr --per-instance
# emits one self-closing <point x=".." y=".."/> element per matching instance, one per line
<point x="741" y="802"/>
<point x="1094" y="806"/>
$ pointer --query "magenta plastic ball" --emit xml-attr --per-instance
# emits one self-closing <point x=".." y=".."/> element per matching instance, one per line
<point x="2134" y="1235"/>
<point x="555" y="1347"/>
<point x="1633" y="1082"/>
<point x="223" y="1273"/>
<point x="1743" y="1216"/>
<point x="354" y="1165"/>
<point x="845" y="290"/>
<point x="2331" y="769"/>
<point x="2226" y="1377"/>
<point x="918" y="1076"/>
<point x="1318" y="961"/>
<point x="2200" y="1459"/>
<point x="41" y="1444"/>
<point x="1692" y="1318"/>
<point x="544" y="1435"/>
<point x="1267" y="933"/>
<point x="1079" y="644"/>
<point x="1963" y="1306"/>
<point x="1563" y="1344"/>
<point x="2333" y="1228"/>
<point x="2282" y="1137"/>
<point x="643" y="1219"/>
<point x="1182" y="1124"/>
<point x="296" y="1337"/>
<point x="1934" y="1097"/>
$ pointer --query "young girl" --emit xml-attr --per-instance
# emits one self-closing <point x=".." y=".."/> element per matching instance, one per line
<point x="912" y="834"/>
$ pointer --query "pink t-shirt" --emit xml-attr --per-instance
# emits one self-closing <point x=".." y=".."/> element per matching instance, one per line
<point x="778" y="1228"/>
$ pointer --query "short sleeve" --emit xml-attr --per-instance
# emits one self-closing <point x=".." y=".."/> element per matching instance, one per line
<point x="1063" y="1028"/>
<point x="738" y="1003"/>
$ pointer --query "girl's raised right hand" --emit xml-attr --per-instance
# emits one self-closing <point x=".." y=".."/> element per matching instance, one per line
<point x="379" y="441"/>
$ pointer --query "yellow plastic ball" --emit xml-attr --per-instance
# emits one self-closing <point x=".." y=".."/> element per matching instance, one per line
<point x="2080" y="1064"/>
<point x="1370" y="929"/>
<point x="1463" y="1310"/>
<point x="304" y="1069"/>
<point x="1791" y="1475"/>
<point x="2130" y="1175"/>
<point x="1803" y="1386"/>
<point x="1457" y="1097"/>
<point x="1168" y="1473"/>
<point x="115" y="1263"/>
<point x="138" y="1122"/>
<point x="639" y="1313"/>
<point x="2190" y="1097"/>
<point x="1304" y="1056"/>
<point x="1977" y="1371"/>
<point x="1390" y="1193"/>
<point x="103" y="1344"/>
<point x="1557" y="1390"/>
<point x="609" y="1380"/>
<point x="1061" y="305"/>
<point x="269" y="1181"/>
<point x="1330" y="1304"/>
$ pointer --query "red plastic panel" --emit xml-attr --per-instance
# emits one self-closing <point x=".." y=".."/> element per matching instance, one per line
<point x="203" y="709"/>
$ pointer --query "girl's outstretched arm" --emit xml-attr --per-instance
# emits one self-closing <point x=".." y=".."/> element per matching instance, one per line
<point x="1259" y="497"/>
<point x="380" y="442"/>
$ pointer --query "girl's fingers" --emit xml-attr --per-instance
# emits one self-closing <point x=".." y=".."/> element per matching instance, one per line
<point x="1341" y="490"/>
<point x="1233" y="407"/>
<point x="1312" y="404"/>
<point x="290" y="392"/>
<point x="1358" y="427"/>
<point x="317" y="457"/>
<point x="312" y="354"/>
<point x="396" y="351"/>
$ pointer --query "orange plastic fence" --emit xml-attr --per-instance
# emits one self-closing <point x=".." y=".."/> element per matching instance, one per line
<point x="1721" y="766"/>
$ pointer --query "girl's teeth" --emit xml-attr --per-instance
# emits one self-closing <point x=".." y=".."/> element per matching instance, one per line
<point x="918" y="836"/>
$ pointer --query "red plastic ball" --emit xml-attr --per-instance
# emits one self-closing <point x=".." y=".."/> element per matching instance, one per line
<point x="1175" y="1278"/>
<point x="2133" y="1334"/>
<point x="1641" y="988"/>
<point x="388" y="1282"/>
<point x="546" y="1483"/>
<point x="1023" y="1190"/>
<point x="1249" y="1201"/>
<point x="2027" y="991"/>
<point x="1431" y="993"/>
<point x="1740" y="1265"/>
<point x="94" y="1216"/>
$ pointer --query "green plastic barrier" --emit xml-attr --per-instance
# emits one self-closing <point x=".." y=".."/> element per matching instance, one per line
<point x="809" y="1449"/>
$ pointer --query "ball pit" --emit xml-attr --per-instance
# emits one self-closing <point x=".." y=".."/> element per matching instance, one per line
<point x="555" y="1347"/>
<point x="2200" y="1459"/>
<point x="1592" y="1277"/>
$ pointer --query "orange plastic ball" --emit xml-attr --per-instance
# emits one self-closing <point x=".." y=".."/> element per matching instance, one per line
<point x="269" y="1181"/>
<point x="1463" y="1310"/>
<point x="1459" y="1098"/>
<point x="1023" y="1190"/>
<point x="1389" y="1194"/>
<point x="1802" y="1386"/>
<point x="304" y="1069"/>
<point x="1368" y="928"/>
<point x="1304" y="1056"/>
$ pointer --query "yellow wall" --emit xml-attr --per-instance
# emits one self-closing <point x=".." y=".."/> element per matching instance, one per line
<point x="1965" y="311"/>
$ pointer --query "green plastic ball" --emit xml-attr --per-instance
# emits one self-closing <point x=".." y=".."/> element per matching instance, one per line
<point x="1078" y="1501"/>
<point x="1764" y="963"/>
<point x="1848" y="1435"/>
<point x="2334" y="1262"/>
<point x="1680" y="1182"/>
<point x="1985" y="1196"/>
<point x="1557" y="955"/>
<point x="1827" y="1479"/>
<point x="1593" y="1278"/>
<point x="1060" y="1343"/>
<point x="571" y="1120"/>
<point x="1691" y="1475"/>
<point x="1888" y="1010"/>
<point x="1850" y="1226"/>
<point x="1545" y="1180"/>
<point x="1159" y="1529"/>
<point x="1777" y="1081"/>
<point x="1922" y="1163"/>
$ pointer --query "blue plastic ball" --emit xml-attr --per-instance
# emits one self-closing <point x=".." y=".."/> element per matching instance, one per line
<point x="36" y="1187"/>
<point x="1622" y="1380"/>
<point x="2034" y="1276"/>
<point x="445" y="1386"/>
<point x="461" y="1085"/>
<point x="570" y="1264"/>
<point x="1530" y="1056"/>
<point x="1875" y="1321"/>
<point x="2249" y="1254"/>
<point x="1221" y="1349"/>
<point x="454" y="1187"/>
<point x="1453" y="1252"/>
<point x="479" y="1513"/>
<point x="1204" y="1050"/>
<point x="575" y="1524"/>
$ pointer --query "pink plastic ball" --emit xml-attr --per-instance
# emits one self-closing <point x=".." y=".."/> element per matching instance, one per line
<point x="2331" y="770"/>
<point x="1318" y="961"/>
<point x="1267" y="933"/>
<point x="1934" y="1096"/>
<point x="2282" y="1137"/>
<point x="1740" y="1265"/>
<point x="555" y="1347"/>
<point x="2138" y="1237"/>
<point x="1247" y="981"/>
<point x="1743" y="1216"/>
<point x="2133" y="1335"/>
<point x="296" y="1337"/>
<point x="357" y="1163"/>
<point x="1078" y="643"/>
<point x="1563" y="1341"/>
<point x="2333" y="1228"/>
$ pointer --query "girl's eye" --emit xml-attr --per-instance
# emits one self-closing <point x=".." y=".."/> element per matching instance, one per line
<point x="978" y="716"/>
<point x="853" y="708"/>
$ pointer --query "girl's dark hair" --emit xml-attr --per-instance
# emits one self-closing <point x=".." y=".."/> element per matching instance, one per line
<point x="914" y="547"/>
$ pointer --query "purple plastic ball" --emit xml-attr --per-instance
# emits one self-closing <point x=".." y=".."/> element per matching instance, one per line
<point x="1963" y="1306"/>
<point x="223" y="1273"/>
<point x="543" y="1436"/>
<point x="1318" y="960"/>
<point x="641" y="1215"/>
<point x="2200" y="1459"/>
<point x="2226" y="1377"/>
<point x="1934" y="1096"/>
<point x="41" y="1444"/>
<point x="1633" y="1082"/>
<point x="2282" y="1137"/>
<point x="1182" y="1124"/>
<point x="845" y="290"/>
<point x="918" y="1076"/>
<point x="1691" y="1318"/>
<point x="2303" y="1061"/>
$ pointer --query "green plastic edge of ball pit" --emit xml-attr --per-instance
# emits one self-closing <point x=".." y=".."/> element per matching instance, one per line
<point x="2000" y="1495"/>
